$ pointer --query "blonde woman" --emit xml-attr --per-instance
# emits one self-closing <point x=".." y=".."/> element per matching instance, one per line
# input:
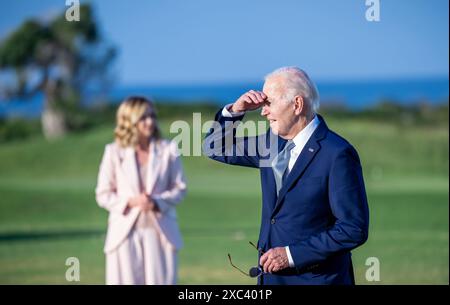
<point x="140" y="182"/>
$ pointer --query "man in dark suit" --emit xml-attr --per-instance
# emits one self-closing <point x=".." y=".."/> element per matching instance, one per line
<point x="314" y="201"/>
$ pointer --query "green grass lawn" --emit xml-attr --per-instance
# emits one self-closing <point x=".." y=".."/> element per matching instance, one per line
<point x="48" y="211"/>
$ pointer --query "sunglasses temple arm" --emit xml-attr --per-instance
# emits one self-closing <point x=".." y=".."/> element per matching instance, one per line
<point x="237" y="268"/>
<point x="259" y="250"/>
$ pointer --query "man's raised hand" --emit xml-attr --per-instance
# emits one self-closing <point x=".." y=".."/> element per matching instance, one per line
<point x="250" y="100"/>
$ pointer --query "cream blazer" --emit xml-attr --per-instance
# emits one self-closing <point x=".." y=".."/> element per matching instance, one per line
<point x="118" y="181"/>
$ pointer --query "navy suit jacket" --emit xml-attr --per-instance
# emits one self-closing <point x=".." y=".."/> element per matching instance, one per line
<point x="321" y="211"/>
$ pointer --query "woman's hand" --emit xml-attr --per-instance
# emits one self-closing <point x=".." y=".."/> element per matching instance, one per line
<point x="144" y="202"/>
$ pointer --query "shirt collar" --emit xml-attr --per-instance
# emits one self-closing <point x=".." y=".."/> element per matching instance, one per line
<point x="303" y="136"/>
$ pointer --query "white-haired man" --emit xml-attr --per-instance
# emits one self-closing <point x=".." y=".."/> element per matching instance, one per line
<point x="314" y="209"/>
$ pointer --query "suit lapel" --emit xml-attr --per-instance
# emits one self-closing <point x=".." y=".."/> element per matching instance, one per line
<point x="308" y="153"/>
<point x="130" y="170"/>
<point x="280" y="145"/>
<point x="129" y="167"/>
<point x="153" y="166"/>
<point x="304" y="159"/>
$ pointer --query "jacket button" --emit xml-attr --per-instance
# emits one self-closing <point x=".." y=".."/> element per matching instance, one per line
<point x="272" y="221"/>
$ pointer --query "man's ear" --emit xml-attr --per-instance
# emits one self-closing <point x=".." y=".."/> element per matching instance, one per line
<point x="299" y="104"/>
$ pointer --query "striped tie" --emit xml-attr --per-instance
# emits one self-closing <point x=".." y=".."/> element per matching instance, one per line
<point x="280" y="163"/>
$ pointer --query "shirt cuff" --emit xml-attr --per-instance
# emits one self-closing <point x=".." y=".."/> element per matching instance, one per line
<point x="291" y="261"/>
<point x="226" y="112"/>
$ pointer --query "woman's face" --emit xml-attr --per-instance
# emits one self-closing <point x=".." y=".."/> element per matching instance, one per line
<point x="146" y="123"/>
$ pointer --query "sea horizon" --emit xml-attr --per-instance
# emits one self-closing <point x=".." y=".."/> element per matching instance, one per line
<point x="353" y="94"/>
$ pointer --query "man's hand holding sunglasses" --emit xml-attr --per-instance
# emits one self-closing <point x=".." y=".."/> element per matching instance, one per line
<point x="274" y="260"/>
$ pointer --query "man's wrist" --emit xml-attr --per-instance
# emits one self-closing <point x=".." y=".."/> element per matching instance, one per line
<point x="228" y="113"/>
<point x="233" y="109"/>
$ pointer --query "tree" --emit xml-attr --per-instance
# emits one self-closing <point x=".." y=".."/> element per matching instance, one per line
<point x="61" y="59"/>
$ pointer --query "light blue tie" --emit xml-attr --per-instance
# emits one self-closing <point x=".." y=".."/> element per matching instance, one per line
<point x="280" y="163"/>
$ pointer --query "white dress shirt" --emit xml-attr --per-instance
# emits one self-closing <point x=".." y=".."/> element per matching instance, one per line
<point x="299" y="140"/>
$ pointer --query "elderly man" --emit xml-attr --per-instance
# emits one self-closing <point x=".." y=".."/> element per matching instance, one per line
<point x="314" y="201"/>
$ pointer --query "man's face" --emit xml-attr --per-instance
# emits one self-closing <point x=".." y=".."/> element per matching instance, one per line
<point x="278" y="111"/>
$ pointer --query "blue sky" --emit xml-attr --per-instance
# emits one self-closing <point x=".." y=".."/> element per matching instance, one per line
<point x="200" y="41"/>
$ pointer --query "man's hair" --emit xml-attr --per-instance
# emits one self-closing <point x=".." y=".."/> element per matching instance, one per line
<point x="297" y="82"/>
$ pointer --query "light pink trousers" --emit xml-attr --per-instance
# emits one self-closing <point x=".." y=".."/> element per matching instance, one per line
<point x="144" y="258"/>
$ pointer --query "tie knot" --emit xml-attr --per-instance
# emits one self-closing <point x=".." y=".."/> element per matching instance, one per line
<point x="289" y="145"/>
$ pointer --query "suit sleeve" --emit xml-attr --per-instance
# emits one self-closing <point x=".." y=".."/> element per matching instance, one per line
<point x="222" y="144"/>
<point x="348" y="203"/>
<point x="177" y="191"/>
<point x="105" y="191"/>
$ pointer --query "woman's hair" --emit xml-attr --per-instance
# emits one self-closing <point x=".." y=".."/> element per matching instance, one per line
<point x="128" y="115"/>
